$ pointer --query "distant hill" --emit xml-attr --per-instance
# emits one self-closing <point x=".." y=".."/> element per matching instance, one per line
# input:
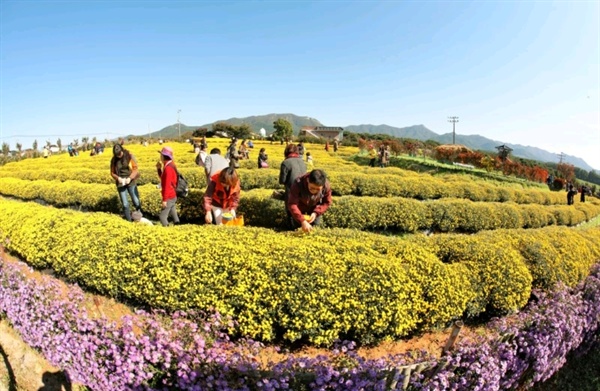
<point x="255" y="122"/>
<point x="420" y="132"/>
<point x="417" y="132"/>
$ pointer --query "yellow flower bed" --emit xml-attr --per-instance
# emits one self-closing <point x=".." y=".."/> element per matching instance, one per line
<point x="331" y="284"/>
<point x="347" y="178"/>
<point x="367" y="213"/>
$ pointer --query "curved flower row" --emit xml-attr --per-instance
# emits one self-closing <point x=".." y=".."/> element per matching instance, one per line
<point x="156" y="352"/>
<point x="366" y="213"/>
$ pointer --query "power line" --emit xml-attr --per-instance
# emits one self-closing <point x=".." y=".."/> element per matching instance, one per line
<point x="454" y="120"/>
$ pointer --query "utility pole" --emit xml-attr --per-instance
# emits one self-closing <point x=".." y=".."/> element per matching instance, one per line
<point x="179" y="123"/>
<point x="454" y="120"/>
<point x="561" y="156"/>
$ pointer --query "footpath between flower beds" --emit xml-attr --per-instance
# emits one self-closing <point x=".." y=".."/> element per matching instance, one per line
<point x="153" y="351"/>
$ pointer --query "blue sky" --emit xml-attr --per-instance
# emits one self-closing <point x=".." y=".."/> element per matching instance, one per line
<point x="519" y="72"/>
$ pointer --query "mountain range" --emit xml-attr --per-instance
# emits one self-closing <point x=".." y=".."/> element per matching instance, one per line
<point x="417" y="132"/>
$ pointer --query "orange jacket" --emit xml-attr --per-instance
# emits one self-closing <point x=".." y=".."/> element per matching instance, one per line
<point x="217" y="195"/>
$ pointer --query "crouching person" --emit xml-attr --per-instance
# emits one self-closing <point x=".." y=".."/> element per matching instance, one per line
<point x="309" y="199"/>
<point x="222" y="195"/>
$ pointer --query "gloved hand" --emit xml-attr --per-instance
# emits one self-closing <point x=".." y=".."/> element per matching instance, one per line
<point x="127" y="180"/>
<point x="121" y="181"/>
<point x="208" y="218"/>
<point x="232" y="213"/>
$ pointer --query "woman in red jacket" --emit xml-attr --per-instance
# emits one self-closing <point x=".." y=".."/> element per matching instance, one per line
<point x="222" y="195"/>
<point x="168" y="183"/>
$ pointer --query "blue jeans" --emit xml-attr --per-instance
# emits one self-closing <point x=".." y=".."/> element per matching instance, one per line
<point x="135" y="198"/>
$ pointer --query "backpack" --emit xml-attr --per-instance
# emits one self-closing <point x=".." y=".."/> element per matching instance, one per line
<point x="181" y="190"/>
<point x="201" y="158"/>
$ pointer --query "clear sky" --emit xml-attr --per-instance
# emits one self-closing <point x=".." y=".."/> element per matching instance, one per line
<point x="522" y="72"/>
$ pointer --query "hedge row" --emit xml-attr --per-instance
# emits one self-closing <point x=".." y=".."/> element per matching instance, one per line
<point x="315" y="288"/>
<point x="367" y="213"/>
<point x="154" y="352"/>
<point x="352" y="182"/>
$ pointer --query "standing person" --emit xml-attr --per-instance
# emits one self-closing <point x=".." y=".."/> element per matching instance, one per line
<point x="232" y="154"/>
<point x="214" y="163"/>
<point x="46" y="152"/>
<point x="327" y="146"/>
<point x="570" y="193"/>
<point x="291" y="168"/>
<point x="168" y="182"/>
<point x="222" y="195"/>
<point x="584" y="190"/>
<point x="309" y="196"/>
<point x="204" y="143"/>
<point x="336" y="144"/>
<point x="124" y="170"/>
<point x="372" y="156"/>
<point x="385" y="157"/>
<point x="301" y="149"/>
<point x="262" y="159"/>
<point x="309" y="160"/>
<point x="243" y="152"/>
<point x="201" y="156"/>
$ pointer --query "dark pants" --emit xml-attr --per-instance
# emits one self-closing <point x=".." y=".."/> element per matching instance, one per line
<point x="570" y="197"/>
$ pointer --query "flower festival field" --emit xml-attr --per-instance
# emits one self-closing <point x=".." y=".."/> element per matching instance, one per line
<point x="228" y="308"/>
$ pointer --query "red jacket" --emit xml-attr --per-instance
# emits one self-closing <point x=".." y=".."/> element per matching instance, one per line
<point x="217" y="195"/>
<point x="301" y="201"/>
<point x="168" y="181"/>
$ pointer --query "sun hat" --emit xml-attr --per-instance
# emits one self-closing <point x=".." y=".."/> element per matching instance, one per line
<point x="167" y="151"/>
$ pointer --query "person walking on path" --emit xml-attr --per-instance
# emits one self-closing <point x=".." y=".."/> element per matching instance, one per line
<point x="167" y="171"/>
<point x="124" y="170"/>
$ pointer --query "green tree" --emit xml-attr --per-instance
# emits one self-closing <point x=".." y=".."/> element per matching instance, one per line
<point x="19" y="148"/>
<point x="5" y="149"/>
<point x="242" y="131"/>
<point x="59" y="144"/>
<point x="224" y="128"/>
<point x="35" y="145"/>
<point x="200" y="132"/>
<point x="283" y="129"/>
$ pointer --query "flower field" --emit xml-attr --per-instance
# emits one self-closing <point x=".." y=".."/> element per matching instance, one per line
<point x="503" y="250"/>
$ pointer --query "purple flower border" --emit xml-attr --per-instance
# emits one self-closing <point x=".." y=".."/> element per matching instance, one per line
<point x="153" y="351"/>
